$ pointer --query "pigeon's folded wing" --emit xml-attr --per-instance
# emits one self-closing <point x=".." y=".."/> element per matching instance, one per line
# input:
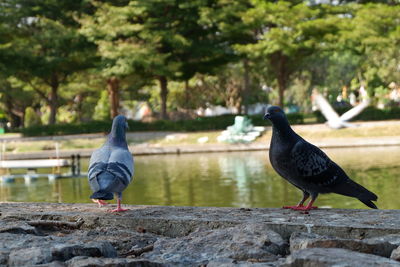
<point x="98" y="161"/>
<point x="100" y="155"/>
<point x="124" y="161"/>
<point x="312" y="165"/>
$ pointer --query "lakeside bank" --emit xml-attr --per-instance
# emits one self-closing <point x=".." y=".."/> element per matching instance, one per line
<point x="149" y="149"/>
<point x="368" y="134"/>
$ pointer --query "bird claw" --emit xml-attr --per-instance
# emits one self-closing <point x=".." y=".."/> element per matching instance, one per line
<point x="100" y="202"/>
<point x="118" y="210"/>
<point x="302" y="208"/>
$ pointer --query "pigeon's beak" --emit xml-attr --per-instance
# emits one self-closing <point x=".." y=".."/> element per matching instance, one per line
<point x="267" y="116"/>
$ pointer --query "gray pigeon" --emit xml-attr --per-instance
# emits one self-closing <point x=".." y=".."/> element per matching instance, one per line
<point x="307" y="167"/>
<point x="111" y="166"/>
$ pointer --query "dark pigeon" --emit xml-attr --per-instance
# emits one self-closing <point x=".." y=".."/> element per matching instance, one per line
<point x="307" y="167"/>
<point x="111" y="166"/>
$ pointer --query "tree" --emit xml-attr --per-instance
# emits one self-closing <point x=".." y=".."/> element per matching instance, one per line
<point x="47" y="48"/>
<point x="15" y="97"/>
<point x="157" y="40"/>
<point x="288" y="33"/>
<point x="374" y="34"/>
<point x="230" y="24"/>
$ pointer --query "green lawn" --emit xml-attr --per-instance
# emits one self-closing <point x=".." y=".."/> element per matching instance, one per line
<point x="308" y="132"/>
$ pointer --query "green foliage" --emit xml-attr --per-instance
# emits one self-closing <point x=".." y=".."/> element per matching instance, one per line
<point x="374" y="35"/>
<point x="46" y="48"/>
<point x="61" y="54"/>
<point x="31" y="118"/>
<point x="199" y="124"/>
<point x="289" y="33"/>
<point x="155" y="40"/>
<point x="102" y="109"/>
<point x="15" y="97"/>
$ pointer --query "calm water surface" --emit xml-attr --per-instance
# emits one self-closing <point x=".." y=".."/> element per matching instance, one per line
<point x="244" y="179"/>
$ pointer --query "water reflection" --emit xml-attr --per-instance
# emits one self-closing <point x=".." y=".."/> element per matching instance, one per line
<point x="243" y="179"/>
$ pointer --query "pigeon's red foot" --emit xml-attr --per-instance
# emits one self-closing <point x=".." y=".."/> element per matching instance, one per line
<point x="302" y="208"/>
<point x="118" y="210"/>
<point x="291" y="207"/>
<point x="100" y="202"/>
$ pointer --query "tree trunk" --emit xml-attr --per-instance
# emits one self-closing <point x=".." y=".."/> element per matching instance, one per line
<point x="281" y="88"/>
<point x="282" y="79"/>
<point x="163" y="95"/>
<point x="15" y="119"/>
<point x="113" y="88"/>
<point x="79" y="100"/>
<point x="246" y="85"/>
<point x="53" y="99"/>
<point x="187" y="95"/>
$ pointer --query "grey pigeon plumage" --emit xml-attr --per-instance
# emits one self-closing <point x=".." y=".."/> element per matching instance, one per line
<point x="111" y="166"/>
<point x="307" y="167"/>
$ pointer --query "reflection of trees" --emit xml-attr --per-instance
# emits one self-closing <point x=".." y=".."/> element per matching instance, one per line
<point x="191" y="191"/>
<point x="244" y="170"/>
<point x="167" y="187"/>
<point x="77" y="185"/>
<point x="6" y="192"/>
<point x="57" y="191"/>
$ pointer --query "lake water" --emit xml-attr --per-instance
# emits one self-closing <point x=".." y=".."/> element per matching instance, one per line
<point x="243" y="179"/>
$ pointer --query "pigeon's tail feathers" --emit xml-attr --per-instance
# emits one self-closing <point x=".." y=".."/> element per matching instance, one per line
<point x="367" y="197"/>
<point x="369" y="203"/>
<point x="103" y="195"/>
<point x="352" y="189"/>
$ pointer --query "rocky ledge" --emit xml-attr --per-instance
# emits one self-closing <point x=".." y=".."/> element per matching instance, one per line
<point x="42" y="234"/>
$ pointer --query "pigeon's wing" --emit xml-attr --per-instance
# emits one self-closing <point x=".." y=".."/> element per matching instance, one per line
<point x="313" y="166"/>
<point x="122" y="161"/>
<point x="100" y="155"/>
<point x="98" y="161"/>
<point x="354" y="111"/>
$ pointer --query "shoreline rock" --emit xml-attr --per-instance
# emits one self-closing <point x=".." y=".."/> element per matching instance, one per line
<point x="44" y="234"/>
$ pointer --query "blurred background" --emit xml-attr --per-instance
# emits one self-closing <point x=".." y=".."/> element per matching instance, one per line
<point x="181" y="71"/>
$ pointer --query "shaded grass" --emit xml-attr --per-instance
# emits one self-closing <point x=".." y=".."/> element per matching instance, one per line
<point x="363" y="131"/>
<point x="18" y="147"/>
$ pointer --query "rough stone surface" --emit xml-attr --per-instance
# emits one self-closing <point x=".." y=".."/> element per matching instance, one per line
<point x="180" y="221"/>
<point x="22" y="249"/>
<point x="29" y="256"/>
<point x="55" y="235"/>
<point x="381" y="246"/>
<point x="328" y="257"/>
<point x="17" y="228"/>
<point x="241" y="243"/>
<point x="393" y="240"/>
<point x="121" y="240"/>
<point x="109" y="262"/>
<point x="395" y="254"/>
<point x="61" y="252"/>
<point x="65" y="252"/>
<point x="228" y="262"/>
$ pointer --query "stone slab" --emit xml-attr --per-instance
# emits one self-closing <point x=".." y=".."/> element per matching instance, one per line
<point x="180" y="221"/>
